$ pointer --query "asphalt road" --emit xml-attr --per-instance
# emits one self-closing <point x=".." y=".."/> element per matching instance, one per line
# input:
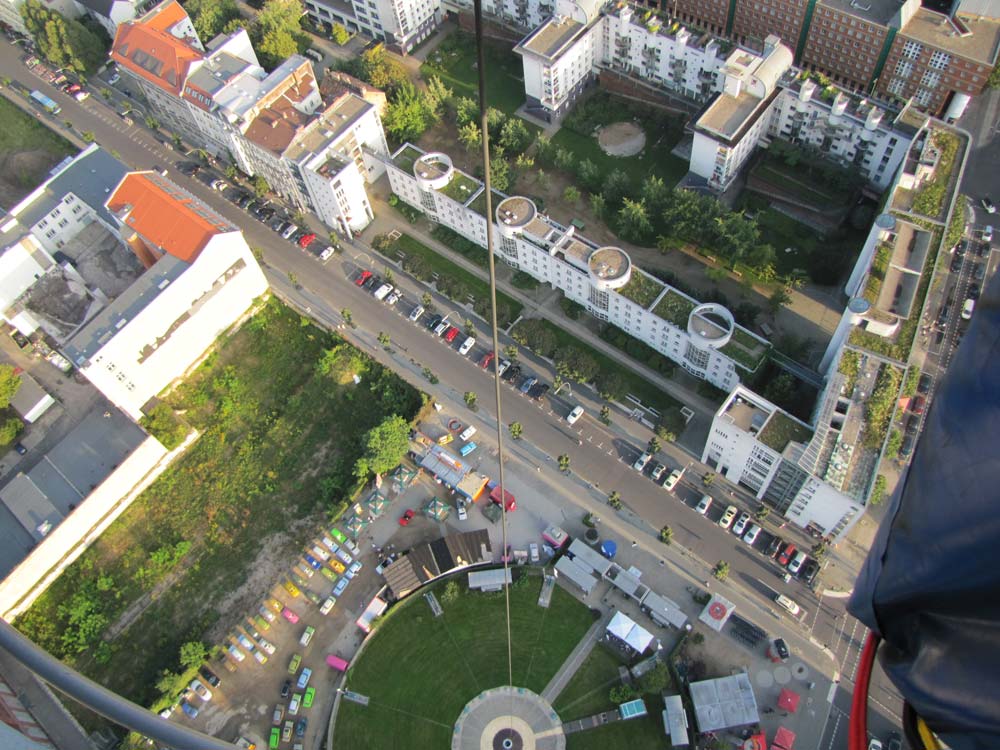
<point x="603" y="459"/>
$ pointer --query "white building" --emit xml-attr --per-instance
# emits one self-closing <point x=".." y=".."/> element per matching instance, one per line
<point x="402" y="24"/>
<point x="200" y="278"/>
<point x="703" y="339"/>
<point x="111" y="13"/>
<point x="755" y="444"/>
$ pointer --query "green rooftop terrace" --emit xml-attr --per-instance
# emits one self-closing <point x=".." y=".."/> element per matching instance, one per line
<point x="675" y="308"/>
<point x="746" y="350"/>
<point x="405" y="158"/>
<point x="479" y="204"/>
<point x="781" y="430"/>
<point x="461" y="187"/>
<point x="641" y="289"/>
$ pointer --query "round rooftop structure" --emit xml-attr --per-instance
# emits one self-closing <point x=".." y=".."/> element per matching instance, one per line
<point x="711" y="325"/>
<point x="610" y="267"/>
<point x="508" y="718"/>
<point x="433" y="171"/>
<point x="514" y="214"/>
<point x="886" y="222"/>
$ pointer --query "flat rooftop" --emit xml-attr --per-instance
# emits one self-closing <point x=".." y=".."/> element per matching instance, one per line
<point x="551" y="37"/>
<point x="430" y="167"/>
<point x="935" y="29"/>
<point x="875" y="11"/>
<point x="746" y="414"/>
<point x="406" y="156"/>
<point x="101" y="259"/>
<point x="327" y="128"/>
<point x="516" y="211"/>
<point x="577" y="251"/>
<point x="609" y="263"/>
<point x="727" y="114"/>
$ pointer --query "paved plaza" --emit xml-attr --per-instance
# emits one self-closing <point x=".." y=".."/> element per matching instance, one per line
<point x="508" y="718"/>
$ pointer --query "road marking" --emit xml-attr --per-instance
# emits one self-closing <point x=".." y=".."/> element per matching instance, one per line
<point x="831" y="692"/>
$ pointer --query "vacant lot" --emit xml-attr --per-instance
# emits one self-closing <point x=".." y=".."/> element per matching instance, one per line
<point x="278" y="446"/>
<point x="28" y="150"/>
<point x="420" y="670"/>
<point x="454" y="62"/>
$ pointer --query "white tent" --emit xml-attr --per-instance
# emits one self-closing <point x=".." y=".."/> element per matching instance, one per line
<point x="625" y="629"/>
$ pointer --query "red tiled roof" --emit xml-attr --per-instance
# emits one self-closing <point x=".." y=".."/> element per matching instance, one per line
<point x="164" y="15"/>
<point x="164" y="216"/>
<point x="148" y="49"/>
<point x="276" y="125"/>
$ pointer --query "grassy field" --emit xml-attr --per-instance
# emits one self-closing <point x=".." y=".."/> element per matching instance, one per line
<point x="655" y="159"/>
<point x="28" y="150"/>
<point x="587" y="693"/>
<point x="454" y="62"/>
<point x="420" y="670"/>
<point x="267" y="457"/>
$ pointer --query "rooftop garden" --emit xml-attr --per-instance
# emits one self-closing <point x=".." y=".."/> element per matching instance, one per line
<point x="461" y="187"/>
<point x="745" y="350"/>
<point x="781" y="430"/>
<point x="675" y="309"/>
<point x="930" y="197"/>
<point x="406" y="158"/>
<point x="641" y="289"/>
<point x="479" y="204"/>
<point x="876" y="274"/>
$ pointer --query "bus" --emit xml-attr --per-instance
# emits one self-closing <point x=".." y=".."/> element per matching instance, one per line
<point x="40" y="100"/>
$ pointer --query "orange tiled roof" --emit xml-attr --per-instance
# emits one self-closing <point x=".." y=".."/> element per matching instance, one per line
<point x="166" y="217"/>
<point x="148" y="49"/>
<point x="164" y="15"/>
<point x="275" y="126"/>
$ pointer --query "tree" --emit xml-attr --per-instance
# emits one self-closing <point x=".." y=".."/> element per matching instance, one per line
<point x="64" y="42"/>
<point x="436" y="97"/>
<point x="653" y="446"/>
<point x="407" y="116"/>
<point x="339" y="34"/>
<point x="163" y="424"/>
<point x="708" y="478"/>
<point x="615" y="499"/>
<point x="515" y="430"/>
<point x="451" y="592"/>
<point x="276" y="30"/>
<point x="778" y="298"/>
<point x="663" y="432"/>
<point x="589" y="175"/>
<point x="211" y="16"/>
<point x="469" y="136"/>
<point x="500" y="176"/>
<point x="385" y="446"/>
<point x="426" y="300"/>
<point x="10" y="382"/>
<point x="470" y="399"/>
<point x="381" y="71"/>
<point x="469" y="327"/>
<point x="260" y="186"/>
<point x="231" y="172"/>
<point x="466" y="111"/>
<point x="666" y="535"/>
<point x="571" y="194"/>
<point x="87" y="136"/>
<point x="563" y="158"/>
<point x="616" y="187"/>
<point x="893" y="444"/>
<point x="819" y="550"/>
<point x="152" y="123"/>
<point x="598" y="205"/>
<point x="655" y="680"/>
<point x="564" y="462"/>
<point x="655" y="194"/>
<point x="510" y="352"/>
<point x="341" y="364"/>
<point x="721" y="570"/>
<point x="514" y="136"/>
<point x="384" y="340"/>
<point x="348" y="316"/>
<point x="193" y="654"/>
<point x="605" y="414"/>
<point x="761" y="513"/>
<point x="10" y="428"/>
<point x="633" y="221"/>
<point x="622" y="694"/>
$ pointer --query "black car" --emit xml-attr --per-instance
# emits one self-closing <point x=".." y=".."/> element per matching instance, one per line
<point x="210" y="677"/>
<point x="774" y="546"/>
<point x="942" y="318"/>
<point x="19" y="447"/>
<point x="809" y="572"/>
<point x="778" y="650"/>
<point x="979" y="273"/>
<point x="956" y="264"/>
<point x="912" y="424"/>
<point x="924" y="384"/>
<point x="960" y="248"/>
<point x="369" y="283"/>
<point x="511" y="373"/>
<point x="974" y="292"/>
<point x="434" y="322"/>
<point x="538" y="390"/>
<point x="244" y="200"/>
<point x="286" y="688"/>
<point x="300" y="727"/>
<point x="907" y="447"/>
<point x="982" y="249"/>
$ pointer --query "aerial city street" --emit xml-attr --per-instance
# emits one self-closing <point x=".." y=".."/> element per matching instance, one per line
<point x="290" y="462"/>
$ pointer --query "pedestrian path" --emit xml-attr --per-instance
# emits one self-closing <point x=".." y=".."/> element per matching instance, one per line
<point x="546" y="595"/>
<point x="576" y="657"/>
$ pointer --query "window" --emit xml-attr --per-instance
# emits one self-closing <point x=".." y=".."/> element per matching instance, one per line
<point x="912" y="50"/>
<point x="930" y="79"/>
<point x="939" y="60"/>
<point x="904" y="68"/>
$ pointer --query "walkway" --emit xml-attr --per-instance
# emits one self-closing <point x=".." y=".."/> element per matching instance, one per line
<point x="576" y="657"/>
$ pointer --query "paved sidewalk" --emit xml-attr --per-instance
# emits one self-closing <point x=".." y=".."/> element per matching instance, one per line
<point x="576" y="657"/>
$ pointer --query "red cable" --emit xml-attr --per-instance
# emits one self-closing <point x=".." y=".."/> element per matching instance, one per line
<point x="858" y="733"/>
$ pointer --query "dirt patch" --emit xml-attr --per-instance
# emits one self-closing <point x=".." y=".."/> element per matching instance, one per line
<point x="21" y="171"/>
<point x="621" y="139"/>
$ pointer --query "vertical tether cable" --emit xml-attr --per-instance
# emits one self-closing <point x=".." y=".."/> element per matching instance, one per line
<point x="481" y="65"/>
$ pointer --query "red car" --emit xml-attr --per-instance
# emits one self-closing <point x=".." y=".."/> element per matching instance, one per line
<point x="365" y="275"/>
<point x="917" y="404"/>
<point x="487" y="360"/>
<point x="405" y="519"/>
<point x="786" y="555"/>
<point x="306" y="239"/>
<point x="451" y="334"/>
<point x="289" y="615"/>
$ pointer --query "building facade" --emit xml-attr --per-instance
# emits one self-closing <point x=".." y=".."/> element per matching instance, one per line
<point x="755" y="444"/>
<point x="401" y="24"/>
<point x="701" y="338"/>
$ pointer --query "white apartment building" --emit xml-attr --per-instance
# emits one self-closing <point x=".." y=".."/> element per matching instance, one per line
<point x="702" y="338"/>
<point x="755" y="444"/>
<point x="402" y="24"/>
<point x="523" y="14"/>
<point x="558" y="60"/>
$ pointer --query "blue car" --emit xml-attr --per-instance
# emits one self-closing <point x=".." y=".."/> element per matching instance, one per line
<point x="190" y="710"/>
<point x="341" y="586"/>
<point x="527" y="384"/>
<point x="313" y="562"/>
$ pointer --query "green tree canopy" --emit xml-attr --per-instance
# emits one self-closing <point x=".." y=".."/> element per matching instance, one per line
<point x="385" y="446"/>
<point x="64" y="42"/>
<point x="211" y="16"/>
<point x="276" y="31"/>
<point x="10" y="382"/>
<point x="407" y="116"/>
<point x="193" y="653"/>
<point x="381" y="71"/>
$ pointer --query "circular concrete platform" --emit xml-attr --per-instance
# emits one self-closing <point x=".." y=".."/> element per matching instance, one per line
<point x="508" y="718"/>
<point x="621" y="139"/>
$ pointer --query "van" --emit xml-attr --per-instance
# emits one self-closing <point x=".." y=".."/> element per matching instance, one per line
<point x="314" y="55"/>
<point x="335" y="662"/>
<point x="968" y="308"/>
<point x="465" y="434"/>
<point x="383" y="291"/>
<point x="788" y="604"/>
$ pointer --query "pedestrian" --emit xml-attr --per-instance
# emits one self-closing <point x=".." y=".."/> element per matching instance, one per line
<point x="635" y="543"/>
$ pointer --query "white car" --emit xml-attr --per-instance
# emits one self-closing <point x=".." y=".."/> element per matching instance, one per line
<point x="266" y="645"/>
<point x="788" y="604"/>
<point x="236" y="653"/>
<point x="704" y="504"/>
<point x="81" y="95"/>
<point x="219" y="185"/>
<point x="393" y="298"/>
<point x="463" y="514"/>
<point x="533" y="551"/>
<point x="502" y="367"/>
<point x="203" y="692"/>
<point x="320" y="553"/>
<point x="741" y="523"/>
<point x="115" y="78"/>
<point x="796" y="563"/>
<point x="327" y="605"/>
<point x="383" y="291"/>
<point x="467" y="433"/>
<point x="727" y="518"/>
<point x="467" y="345"/>
<point x="968" y="308"/>
<point x="752" y="533"/>
<point x="640" y="463"/>
<point x="575" y="415"/>
<point x="327" y="254"/>
<point x="672" y="480"/>
<point x="415" y="313"/>
<point x="988" y="234"/>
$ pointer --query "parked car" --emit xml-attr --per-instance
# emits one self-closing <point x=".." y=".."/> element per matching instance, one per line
<point x="319" y="552"/>
<point x="327" y="253"/>
<point x="467" y="345"/>
<point x="788" y="604"/>
<point x="306" y="239"/>
<point x="294" y="663"/>
<point x="286" y="688"/>
<point x="304" y="679"/>
<point x="189" y="710"/>
<point x="533" y="552"/>
<point x="777" y="650"/>
<point x="308" y="698"/>
<point x="307" y="636"/>
<point x="341" y="587"/>
<point x="796" y="563"/>
<point x="657" y="471"/>
<point x="434" y="322"/>
<point x="704" y="504"/>
<point x="988" y="234"/>
<point x="327" y="605"/>
<point x="741" y="523"/>
<point x="752" y="533"/>
<point x="278" y="716"/>
<point x="906" y="447"/>
<point x="354" y="568"/>
<point x="451" y="334"/>
<point x="408" y="514"/>
<point x="294" y="704"/>
<point x="266" y="646"/>
<point x="785" y="556"/>
<point x="300" y="726"/>
<point x="502" y="367"/>
<point x="809" y="571"/>
<point x="393" y="298"/>
<point x="275" y="739"/>
<point x="774" y="546"/>
<point x="574" y="415"/>
<point x="528" y="384"/>
<point x="727" y="517"/>
<point x="511" y="373"/>
<point x="640" y="463"/>
<point x="924" y="384"/>
<point x="288" y="231"/>
<point x="463" y="514"/>
<point x="988" y="205"/>
<point x="291" y="588"/>
<point x="968" y="308"/>
<point x="415" y="313"/>
<point x="210" y="677"/>
<point x="286" y="732"/>
<point x="236" y="653"/>
<point x="289" y="615"/>
<point x="383" y="291"/>
<point x="203" y="692"/>
<point x="219" y="185"/>
<point x="362" y="278"/>
<point x="672" y="480"/>
<point x="918" y="404"/>
<point x="538" y="390"/>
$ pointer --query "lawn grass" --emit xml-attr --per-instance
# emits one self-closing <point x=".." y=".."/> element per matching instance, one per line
<point x="645" y="733"/>
<point x="588" y="692"/>
<point x="454" y="62"/>
<point x="266" y="457"/>
<point x="508" y="309"/>
<point x="22" y="132"/>
<point x="655" y="159"/>
<point x="419" y="670"/>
